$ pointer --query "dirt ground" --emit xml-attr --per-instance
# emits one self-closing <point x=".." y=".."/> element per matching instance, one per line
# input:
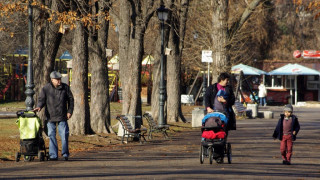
<point x="9" y="136"/>
<point x="255" y="155"/>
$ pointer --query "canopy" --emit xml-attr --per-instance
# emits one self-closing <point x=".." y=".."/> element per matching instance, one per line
<point x="294" y="69"/>
<point x="66" y="56"/>
<point x="247" y="70"/>
<point x="147" y="60"/>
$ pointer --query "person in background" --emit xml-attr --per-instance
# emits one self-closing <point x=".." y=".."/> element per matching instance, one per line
<point x="286" y="131"/>
<point x="58" y="100"/>
<point x="262" y="94"/>
<point x="220" y="97"/>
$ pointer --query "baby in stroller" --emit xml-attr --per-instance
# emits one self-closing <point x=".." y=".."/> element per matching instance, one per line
<point x="214" y="137"/>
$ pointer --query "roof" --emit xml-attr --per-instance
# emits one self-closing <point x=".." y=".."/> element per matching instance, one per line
<point x="247" y="70"/>
<point x="294" y="69"/>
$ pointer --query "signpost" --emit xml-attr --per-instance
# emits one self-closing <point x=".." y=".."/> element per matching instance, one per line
<point x="207" y="57"/>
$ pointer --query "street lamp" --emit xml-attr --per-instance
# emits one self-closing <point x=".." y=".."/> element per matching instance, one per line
<point x="163" y="16"/>
<point x="29" y="86"/>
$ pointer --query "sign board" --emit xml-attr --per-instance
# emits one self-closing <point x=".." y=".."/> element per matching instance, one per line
<point x="69" y="64"/>
<point x="108" y="52"/>
<point x="311" y="54"/>
<point x="206" y="56"/>
<point x="187" y="99"/>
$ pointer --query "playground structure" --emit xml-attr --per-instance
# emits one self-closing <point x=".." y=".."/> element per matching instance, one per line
<point x="13" y="71"/>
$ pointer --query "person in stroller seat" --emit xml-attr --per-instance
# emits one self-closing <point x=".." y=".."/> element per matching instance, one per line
<point x="219" y="97"/>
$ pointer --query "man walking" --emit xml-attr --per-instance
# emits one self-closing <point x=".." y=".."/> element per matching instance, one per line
<point x="58" y="100"/>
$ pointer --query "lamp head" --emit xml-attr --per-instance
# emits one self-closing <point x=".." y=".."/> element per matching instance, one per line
<point x="162" y="13"/>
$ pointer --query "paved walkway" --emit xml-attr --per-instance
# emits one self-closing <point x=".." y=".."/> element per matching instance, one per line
<point x="255" y="156"/>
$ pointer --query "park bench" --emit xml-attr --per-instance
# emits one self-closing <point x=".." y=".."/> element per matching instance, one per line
<point x="154" y="127"/>
<point x="128" y="130"/>
<point x="240" y="110"/>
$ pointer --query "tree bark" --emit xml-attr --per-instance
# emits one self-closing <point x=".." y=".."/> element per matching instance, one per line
<point x="176" y="39"/>
<point x="100" y="104"/>
<point x="134" y="18"/>
<point x="80" y="122"/>
<point x="221" y="59"/>
<point x="47" y="40"/>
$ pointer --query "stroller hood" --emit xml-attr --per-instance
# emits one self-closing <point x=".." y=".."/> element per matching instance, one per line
<point x="220" y="115"/>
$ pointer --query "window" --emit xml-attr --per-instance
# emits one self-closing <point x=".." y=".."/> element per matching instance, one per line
<point x="289" y="82"/>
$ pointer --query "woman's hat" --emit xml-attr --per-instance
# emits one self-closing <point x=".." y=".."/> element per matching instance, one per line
<point x="288" y="107"/>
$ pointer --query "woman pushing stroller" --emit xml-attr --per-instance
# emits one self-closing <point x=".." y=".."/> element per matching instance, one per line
<point x="219" y="97"/>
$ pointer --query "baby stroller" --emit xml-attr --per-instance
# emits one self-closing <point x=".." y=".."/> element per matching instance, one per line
<point x="31" y="140"/>
<point x="214" y="138"/>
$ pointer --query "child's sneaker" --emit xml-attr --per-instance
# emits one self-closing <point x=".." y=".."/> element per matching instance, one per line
<point x="284" y="162"/>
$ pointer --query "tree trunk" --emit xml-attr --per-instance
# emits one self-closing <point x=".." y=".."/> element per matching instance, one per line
<point x="222" y="36"/>
<point x="134" y="18"/>
<point x="80" y="122"/>
<point x="47" y="40"/>
<point x="176" y="39"/>
<point x="221" y="59"/>
<point x="100" y="104"/>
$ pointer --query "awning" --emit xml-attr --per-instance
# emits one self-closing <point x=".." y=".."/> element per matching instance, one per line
<point x="247" y="70"/>
<point x="66" y="56"/>
<point x="294" y="69"/>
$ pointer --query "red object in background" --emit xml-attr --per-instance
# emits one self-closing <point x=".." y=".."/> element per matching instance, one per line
<point x="297" y="54"/>
<point x="308" y="96"/>
<point x="311" y="54"/>
<point x="278" y="96"/>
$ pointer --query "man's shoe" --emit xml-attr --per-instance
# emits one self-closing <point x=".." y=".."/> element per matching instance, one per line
<point x="288" y="163"/>
<point x="53" y="159"/>
<point x="66" y="158"/>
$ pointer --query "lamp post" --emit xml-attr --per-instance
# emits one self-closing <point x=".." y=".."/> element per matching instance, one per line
<point x="29" y="87"/>
<point x="163" y="16"/>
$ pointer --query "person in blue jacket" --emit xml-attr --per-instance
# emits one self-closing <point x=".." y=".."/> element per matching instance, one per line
<point x="286" y="131"/>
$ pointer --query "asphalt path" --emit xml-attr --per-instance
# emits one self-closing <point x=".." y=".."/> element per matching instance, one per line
<point x="255" y="155"/>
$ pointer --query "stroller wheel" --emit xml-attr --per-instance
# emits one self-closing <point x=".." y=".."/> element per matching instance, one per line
<point x="41" y="156"/>
<point x="210" y="155"/>
<point x="17" y="156"/>
<point x="27" y="158"/>
<point x="201" y="155"/>
<point x="229" y="153"/>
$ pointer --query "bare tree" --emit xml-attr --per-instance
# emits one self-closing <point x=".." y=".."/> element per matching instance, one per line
<point x="100" y="104"/>
<point x="80" y="121"/>
<point x="133" y="21"/>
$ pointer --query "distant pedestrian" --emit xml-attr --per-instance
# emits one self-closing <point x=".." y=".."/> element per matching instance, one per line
<point x="58" y="100"/>
<point x="286" y="131"/>
<point x="262" y="94"/>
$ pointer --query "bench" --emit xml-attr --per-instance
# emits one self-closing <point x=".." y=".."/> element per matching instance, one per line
<point x="128" y="130"/>
<point x="241" y="111"/>
<point x="153" y="127"/>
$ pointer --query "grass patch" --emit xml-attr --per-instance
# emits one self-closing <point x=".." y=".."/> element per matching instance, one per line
<point x="9" y="132"/>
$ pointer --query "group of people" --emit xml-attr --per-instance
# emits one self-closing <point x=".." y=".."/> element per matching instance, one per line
<point x="219" y="97"/>
<point x="58" y="101"/>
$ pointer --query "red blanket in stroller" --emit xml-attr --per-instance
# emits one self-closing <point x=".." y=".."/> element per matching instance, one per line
<point x="213" y="135"/>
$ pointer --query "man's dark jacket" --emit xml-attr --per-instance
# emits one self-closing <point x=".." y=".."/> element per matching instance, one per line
<point x="210" y="95"/>
<point x="58" y="102"/>
<point x="295" y="126"/>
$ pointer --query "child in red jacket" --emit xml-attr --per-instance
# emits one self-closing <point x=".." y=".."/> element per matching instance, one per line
<point x="286" y="131"/>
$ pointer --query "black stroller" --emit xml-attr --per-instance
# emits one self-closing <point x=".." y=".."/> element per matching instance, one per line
<point x="214" y="138"/>
<point x="31" y="140"/>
